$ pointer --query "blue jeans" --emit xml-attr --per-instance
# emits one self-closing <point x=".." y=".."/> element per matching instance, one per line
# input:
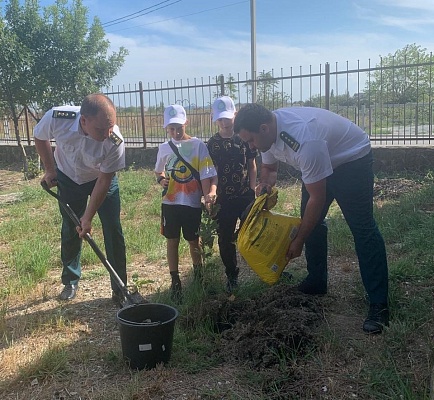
<point x="109" y="213"/>
<point x="351" y="185"/>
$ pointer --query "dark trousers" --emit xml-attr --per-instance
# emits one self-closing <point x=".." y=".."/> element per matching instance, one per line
<point x="351" y="185"/>
<point x="109" y="213"/>
<point x="227" y="219"/>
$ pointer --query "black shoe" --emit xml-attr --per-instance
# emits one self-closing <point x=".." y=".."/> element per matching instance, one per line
<point x="68" y="292"/>
<point x="176" y="290"/>
<point x="378" y="318"/>
<point x="309" y="288"/>
<point x="231" y="285"/>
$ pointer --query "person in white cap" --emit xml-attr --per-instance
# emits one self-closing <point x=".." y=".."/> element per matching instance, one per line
<point x="185" y="171"/>
<point x="236" y="170"/>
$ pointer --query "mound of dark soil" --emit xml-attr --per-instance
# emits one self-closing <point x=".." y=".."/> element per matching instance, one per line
<point x="263" y="331"/>
<point x="270" y="328"/>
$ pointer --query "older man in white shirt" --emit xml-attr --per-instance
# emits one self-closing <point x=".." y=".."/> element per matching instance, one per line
<point x="89" y="151"/>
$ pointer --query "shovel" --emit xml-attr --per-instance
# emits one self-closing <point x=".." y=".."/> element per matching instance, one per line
<point x="129" y="298"/>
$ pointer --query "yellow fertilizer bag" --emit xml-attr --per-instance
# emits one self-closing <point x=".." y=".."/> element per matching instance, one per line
<point x="264" y="238"/>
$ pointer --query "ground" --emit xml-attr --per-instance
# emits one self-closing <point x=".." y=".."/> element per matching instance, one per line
<point x="254" y="334"/>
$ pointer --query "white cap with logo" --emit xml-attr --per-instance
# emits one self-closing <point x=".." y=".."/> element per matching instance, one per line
<point x="223" y="107"/>
<point x="174" y="114"/>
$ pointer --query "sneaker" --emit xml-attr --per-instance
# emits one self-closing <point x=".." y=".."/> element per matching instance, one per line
<point x="231" y="285"/>
<point x="309" y="288"/>
<point x="176" y="290"/>
<point x="69" y="292"/>
<point x="378" y="318"/>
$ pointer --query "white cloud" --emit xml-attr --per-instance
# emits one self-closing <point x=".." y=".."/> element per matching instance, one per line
<point x="160" y="63"/>
<point x="171" y="52"/>
<point x="412" y="16"/>
<point x="423" y="5"/>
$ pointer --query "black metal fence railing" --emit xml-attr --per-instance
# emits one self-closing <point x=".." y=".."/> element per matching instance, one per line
<point x="392" y="103"/>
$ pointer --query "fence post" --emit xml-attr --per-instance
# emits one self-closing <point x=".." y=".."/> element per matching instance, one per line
<point x="142" y="113"/>
<point x="222" y="85"/>
<point x="327" y="86"/>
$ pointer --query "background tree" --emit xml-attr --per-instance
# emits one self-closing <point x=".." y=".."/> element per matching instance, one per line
<point x="400" y="91"/>
<point x="405" y="84"/>
<point x="16" y="65"/>
<point x="230" y="88"/>
<point x="51" y="57"/>
<point x="267" y="92"/>
<point x="76" y="55"/>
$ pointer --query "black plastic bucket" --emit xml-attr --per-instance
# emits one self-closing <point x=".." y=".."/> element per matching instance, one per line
<point x="147" y="333"/>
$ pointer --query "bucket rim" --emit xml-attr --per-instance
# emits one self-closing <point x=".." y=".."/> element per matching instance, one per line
<point x="148" y="324"/>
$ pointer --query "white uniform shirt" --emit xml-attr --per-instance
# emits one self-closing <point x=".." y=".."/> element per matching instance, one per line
<point x="79" y="157"/>
<point x="326" y="140"/>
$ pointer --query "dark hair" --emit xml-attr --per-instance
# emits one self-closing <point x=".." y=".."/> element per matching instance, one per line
<point x="93" y="103"/>
<point x="251" y="117"/>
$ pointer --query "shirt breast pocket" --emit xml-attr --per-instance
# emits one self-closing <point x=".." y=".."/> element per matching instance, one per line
<point x="67" y="148"/>
<point x="92" y="161"/>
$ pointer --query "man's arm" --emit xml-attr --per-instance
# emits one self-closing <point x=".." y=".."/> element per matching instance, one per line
<point x="312" y="213"/>
<point x="267" y="178"/>
<point x="97" y="197"/>
<point x="43" y="147"/>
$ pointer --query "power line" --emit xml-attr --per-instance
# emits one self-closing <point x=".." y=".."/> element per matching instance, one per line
<point x="125" y="19"/>
<point x="137" y="12"/>
<point x="182" y="16"/>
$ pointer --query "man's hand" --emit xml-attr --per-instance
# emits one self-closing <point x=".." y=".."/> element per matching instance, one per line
<point x="262" y="188"/>
<point x="85" y="228"/>
<point x="295" y="249"/>
<point x="50" y="178"/>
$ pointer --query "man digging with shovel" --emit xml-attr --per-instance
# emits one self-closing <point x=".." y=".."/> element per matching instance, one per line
<point x="89" y="151"/>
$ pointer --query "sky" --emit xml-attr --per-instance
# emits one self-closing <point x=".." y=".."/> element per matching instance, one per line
<point x="176" y="40"/>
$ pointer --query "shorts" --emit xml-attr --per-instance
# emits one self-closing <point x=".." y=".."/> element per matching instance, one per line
<point x="176" y="217"/>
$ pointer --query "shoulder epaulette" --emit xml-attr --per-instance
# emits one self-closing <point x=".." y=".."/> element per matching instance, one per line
<point x="289" y="140"/>
<point x="64" y="114"/>
<point x="115" y="139"/>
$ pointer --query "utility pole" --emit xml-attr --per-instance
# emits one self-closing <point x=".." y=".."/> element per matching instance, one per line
<point x="253" y="47"/>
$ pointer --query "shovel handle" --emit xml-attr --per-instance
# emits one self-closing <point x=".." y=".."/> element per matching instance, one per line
<point x="64" y="205"/>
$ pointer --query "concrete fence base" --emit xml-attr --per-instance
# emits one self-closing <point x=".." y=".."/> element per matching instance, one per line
<point x="387" y="159"/>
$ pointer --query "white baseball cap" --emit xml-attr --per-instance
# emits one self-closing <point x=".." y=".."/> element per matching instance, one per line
<point x="174" y="114"/>
<point x="223" y="107"/>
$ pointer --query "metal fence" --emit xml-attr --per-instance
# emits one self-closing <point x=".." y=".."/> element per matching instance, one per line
<point x="392" y="103"/>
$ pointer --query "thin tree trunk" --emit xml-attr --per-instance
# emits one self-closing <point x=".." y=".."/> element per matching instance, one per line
<point x="21" y="146"/>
